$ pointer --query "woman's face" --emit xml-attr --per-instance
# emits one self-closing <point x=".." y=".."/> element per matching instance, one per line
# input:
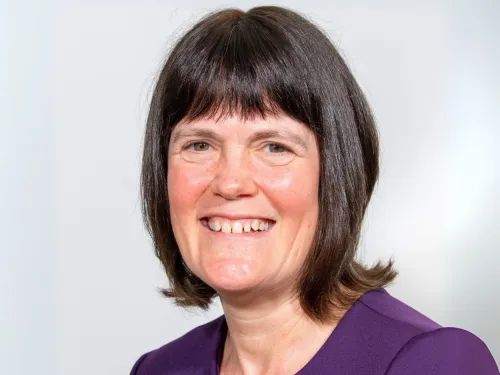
<point x="228" y="178"/>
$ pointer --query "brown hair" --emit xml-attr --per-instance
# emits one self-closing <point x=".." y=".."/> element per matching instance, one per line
<point x="271" y="60"/>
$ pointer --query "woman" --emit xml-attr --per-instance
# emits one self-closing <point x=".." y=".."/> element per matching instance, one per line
<point x="260" y="157"/>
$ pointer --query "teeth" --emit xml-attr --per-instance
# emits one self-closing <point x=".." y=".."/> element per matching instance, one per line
<point x="255" y="225"/>
<point x="226" y="228"/>
<point x="216" y="226"/>
<point x="237" y="227"/>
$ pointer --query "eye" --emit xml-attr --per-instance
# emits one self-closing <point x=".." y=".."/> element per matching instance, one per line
<point x="276" y="148"/>
<point x="198" y="146"/>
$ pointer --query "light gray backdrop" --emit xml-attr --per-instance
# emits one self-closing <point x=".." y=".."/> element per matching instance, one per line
<point x="78" y="276"/>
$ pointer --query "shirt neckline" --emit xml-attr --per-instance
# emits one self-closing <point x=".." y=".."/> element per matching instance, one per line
<point x="341" y="327"/>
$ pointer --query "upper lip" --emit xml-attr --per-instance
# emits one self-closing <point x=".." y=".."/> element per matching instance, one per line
<point x="235" y="216"/>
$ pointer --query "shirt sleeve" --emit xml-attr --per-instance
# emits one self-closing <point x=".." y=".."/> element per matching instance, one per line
<point x="445" y="351"/>
<point x="135" y="368"/>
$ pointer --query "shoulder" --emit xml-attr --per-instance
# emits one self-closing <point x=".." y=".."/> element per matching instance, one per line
<point x="444" y="351"/>
<point x="188" y="354"/>
<point x="382" y="307"/>
<point x="406" y="341"/>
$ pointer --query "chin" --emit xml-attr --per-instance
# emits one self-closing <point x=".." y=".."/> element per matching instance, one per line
<point x="230" y="277"/>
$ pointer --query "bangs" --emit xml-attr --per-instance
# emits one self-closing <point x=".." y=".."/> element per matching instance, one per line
<point x="242" y="66"/>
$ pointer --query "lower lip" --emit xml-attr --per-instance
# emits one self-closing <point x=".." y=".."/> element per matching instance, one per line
<point x="244" y="234"/>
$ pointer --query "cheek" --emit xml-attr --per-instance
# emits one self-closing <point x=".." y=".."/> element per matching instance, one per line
<point x="293" y="190"/>
<point x="185" y="186"/>
<point x="294" y="194"/>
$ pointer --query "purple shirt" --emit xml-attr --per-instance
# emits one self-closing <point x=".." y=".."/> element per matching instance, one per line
<point x="378" y="335"/>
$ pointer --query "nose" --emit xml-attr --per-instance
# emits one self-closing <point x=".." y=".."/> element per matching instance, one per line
<point x="233" y="178"/>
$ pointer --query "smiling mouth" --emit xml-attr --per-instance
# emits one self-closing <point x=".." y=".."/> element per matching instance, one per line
<point x="238" y="227"/>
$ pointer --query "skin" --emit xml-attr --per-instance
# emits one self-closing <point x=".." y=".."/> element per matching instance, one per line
<point x="224" y="167"/>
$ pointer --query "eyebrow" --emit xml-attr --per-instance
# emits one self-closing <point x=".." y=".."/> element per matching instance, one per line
<point x="196" y="132"/>
<point x="257" y="136"/>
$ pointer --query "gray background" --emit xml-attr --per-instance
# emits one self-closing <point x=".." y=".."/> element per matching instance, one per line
<point x="78" y="278"/>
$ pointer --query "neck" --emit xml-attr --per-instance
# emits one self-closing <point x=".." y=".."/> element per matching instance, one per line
<point x="271" y="335"/>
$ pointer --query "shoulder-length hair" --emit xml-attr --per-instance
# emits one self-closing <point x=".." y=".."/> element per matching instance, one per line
<point x="271" y="60"/>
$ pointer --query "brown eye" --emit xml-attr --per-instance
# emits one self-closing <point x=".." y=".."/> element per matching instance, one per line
<point x="276" y="148"/>
<point x="199" y="146"/>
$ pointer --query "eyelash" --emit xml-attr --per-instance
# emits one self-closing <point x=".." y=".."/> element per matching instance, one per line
<point x="287" y="150"/>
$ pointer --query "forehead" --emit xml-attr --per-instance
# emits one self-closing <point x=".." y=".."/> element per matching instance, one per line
<point x="236" y="124"/>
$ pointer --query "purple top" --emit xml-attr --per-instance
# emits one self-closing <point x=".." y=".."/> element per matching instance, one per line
<point x="378" y="335"/>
